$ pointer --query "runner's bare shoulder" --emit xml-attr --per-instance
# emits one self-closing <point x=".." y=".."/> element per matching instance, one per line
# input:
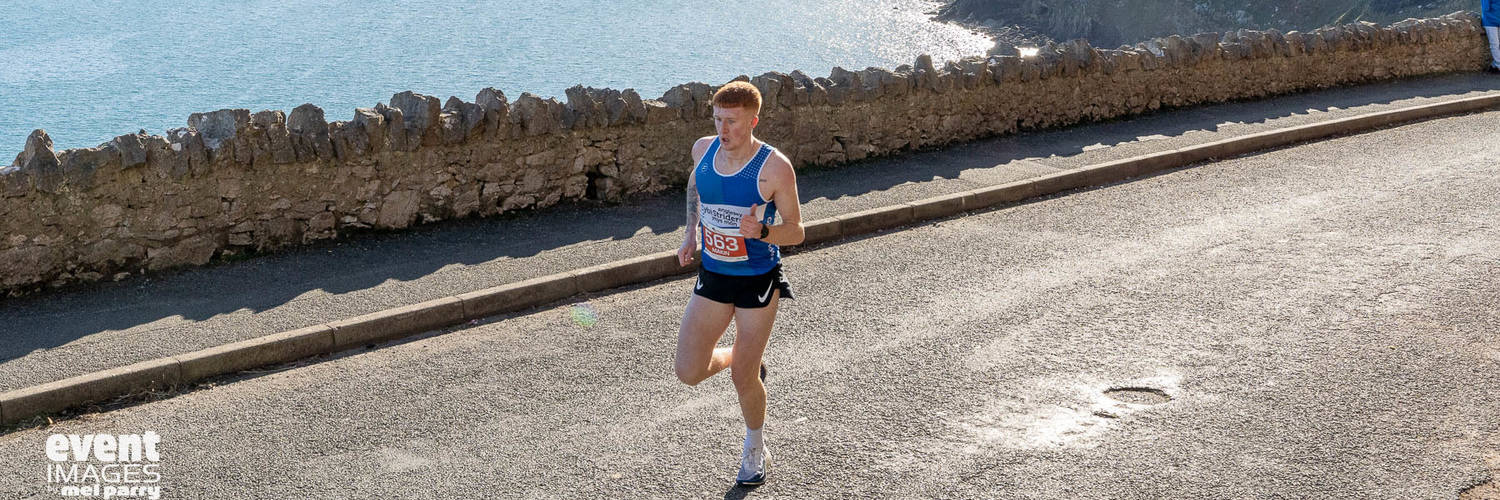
<point x="778" y="168"/>
<point x="701" y="147"/>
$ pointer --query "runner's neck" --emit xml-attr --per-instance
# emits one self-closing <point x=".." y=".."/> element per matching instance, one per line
<point x="737" y="159"/>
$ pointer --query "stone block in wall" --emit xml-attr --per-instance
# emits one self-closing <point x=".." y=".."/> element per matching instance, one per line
<point x="1108" y="60"/>
<point x="496" y="110"/>
<point x="880" y="82"/>
<point x="277" y="148"/>
<point x="536" y="116"/>
<point x="193" y="251"/>
<point x="1205" y="46"/>
<point x="588" y="107"/>
<point x="703" y="97"/>
<point x="221" y="131"/>
<point x="1316" y="43"/>
<point x="793" y="92"/>
<point x="1296" y="44"/>
<point x="616" y="109"/>
<point x="924" y="74"/>
<point x="161" y="159"/>
<point x="14" y="183"/>
<point x="349" y="140"/>
<point x="658" y="112"/>
<point x="815" y="93"/>
<point x="308" y="132"/>
<point x="692" y="99"/>
<point x="1177" y="51"/>
<point x="635" y="108"/>
<point x="1047" y="60"/>
<point x="473" y="115"/>
<point x="769" y="85"/>
<point x="1332" y="39"/>
<point x="132" y="152"/>
<point x="1132" y="60"/>
<point x="39" y="163"/>
<point x="1152" y="54"/>
<point x="451" y="126"/>
<point x="975" y="73"/>
<point x="837" y="95"/>
<point x="277" y="232"/>
<point x="79" y="166"/>
<point x="846" y="83"/>
<point x="419" y="115"/>
<point x="1078" y="57"/>
<point x="518" y="201"/>
<point x="110" y="254"/>
<point x="679" y="98"/>
<point x="374" y="126"/>
<point x="1278" y="44"/>
<point x="1005" y="69"/>
<point x="320" y="227"/>
<point x="27" y="265"/>
<point x="396" y="136"/>
<point x="189" y="143"/>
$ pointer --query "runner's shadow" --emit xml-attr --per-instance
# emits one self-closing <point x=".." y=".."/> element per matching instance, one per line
<point x="738" y="492"/>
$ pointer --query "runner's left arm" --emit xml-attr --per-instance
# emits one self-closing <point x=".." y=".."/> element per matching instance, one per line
<point x="784" y="183"/>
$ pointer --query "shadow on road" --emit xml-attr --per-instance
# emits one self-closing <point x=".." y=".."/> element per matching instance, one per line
<point x="738" y="492"/>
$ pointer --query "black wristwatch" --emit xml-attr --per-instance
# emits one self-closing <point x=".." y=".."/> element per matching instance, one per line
<point x="764" y="231"/>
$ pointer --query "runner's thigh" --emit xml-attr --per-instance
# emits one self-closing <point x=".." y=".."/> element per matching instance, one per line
<point x="753" y="331"/>
<point x="703" y="324"/>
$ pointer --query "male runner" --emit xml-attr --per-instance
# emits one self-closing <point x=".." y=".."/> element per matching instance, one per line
<point x="737" y="185"/>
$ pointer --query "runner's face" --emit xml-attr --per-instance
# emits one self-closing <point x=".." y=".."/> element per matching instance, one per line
<point x="734" y="125"/>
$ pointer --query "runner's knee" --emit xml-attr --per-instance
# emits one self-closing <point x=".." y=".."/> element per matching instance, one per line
<point x="745" y="378"/>
<point x="689" y="375"/>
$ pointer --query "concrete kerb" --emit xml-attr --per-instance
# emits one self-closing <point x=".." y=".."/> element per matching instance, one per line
<point x="261" y="351"/>
<point x="517" y="296"/>
<point x="866" y="221"/>
<point x="628" y="271"/>
<point x="938" y="207"/>
<point x="821" y="231"/>
<point x="392" y="324"/>
<point x="93" y="387"/>
<point x="409" y="320"/>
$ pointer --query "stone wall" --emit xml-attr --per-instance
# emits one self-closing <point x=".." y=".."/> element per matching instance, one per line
<point x="235" y="181"/>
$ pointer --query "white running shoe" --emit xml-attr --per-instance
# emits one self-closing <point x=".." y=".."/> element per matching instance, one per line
<point x="754" y="464"/>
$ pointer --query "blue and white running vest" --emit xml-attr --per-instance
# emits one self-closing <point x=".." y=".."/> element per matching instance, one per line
<point x="723" y="199"/>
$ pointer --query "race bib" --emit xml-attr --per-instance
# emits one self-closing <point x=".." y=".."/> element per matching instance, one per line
<point x="723" y="246"/>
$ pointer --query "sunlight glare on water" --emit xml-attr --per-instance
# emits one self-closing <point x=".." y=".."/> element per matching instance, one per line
<point x="87" y="71"/>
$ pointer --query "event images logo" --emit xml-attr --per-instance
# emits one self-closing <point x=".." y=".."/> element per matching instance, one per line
<point x="105" y="465"/>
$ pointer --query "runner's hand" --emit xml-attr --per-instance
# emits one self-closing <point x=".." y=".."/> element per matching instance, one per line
<point x="749" y="227"/>
<point x="685" y="252"/>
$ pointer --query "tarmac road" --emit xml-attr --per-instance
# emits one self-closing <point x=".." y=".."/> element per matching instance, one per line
<point x="1319" y="321"/>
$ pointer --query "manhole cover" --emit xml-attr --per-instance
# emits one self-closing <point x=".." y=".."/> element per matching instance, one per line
<point x="1139" y="395"/>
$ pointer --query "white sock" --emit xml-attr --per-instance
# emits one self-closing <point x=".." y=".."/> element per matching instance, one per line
<point x="753" y="438"/>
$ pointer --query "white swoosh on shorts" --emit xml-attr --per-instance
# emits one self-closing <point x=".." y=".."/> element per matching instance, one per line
<point x="700" y="285"/>
<point x="762" y="298"/>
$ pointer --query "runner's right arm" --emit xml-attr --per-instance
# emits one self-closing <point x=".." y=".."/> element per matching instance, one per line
<point x="690" y="230"/>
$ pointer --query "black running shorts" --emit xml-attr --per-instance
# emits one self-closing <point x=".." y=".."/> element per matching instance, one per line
<point x="750" y="292"/>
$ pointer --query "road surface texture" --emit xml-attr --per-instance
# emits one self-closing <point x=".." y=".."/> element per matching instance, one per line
<point x="1320" y="321"/>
